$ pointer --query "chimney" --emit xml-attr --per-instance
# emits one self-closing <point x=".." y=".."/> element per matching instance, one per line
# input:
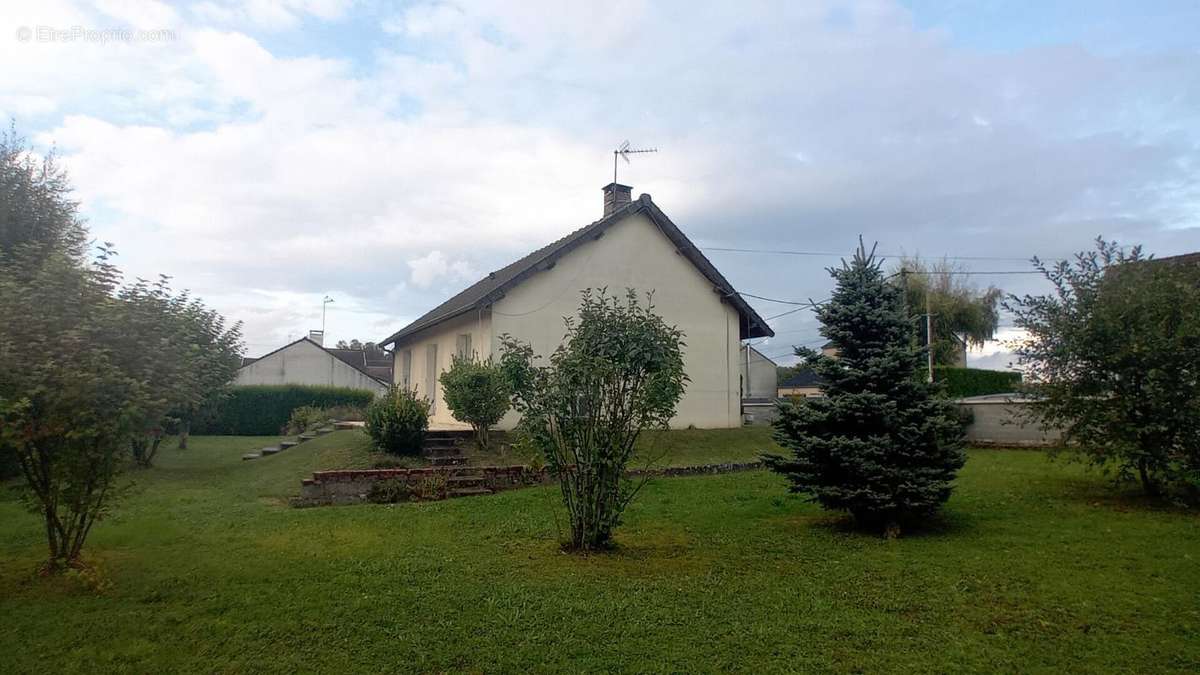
<point x="317" y="336"/>
<point x="616" y="196"/>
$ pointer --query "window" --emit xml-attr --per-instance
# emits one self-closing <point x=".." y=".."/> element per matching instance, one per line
<point x="463" y="346"/>
<point x="431" y="374"/>
<point x="406" y="369"/>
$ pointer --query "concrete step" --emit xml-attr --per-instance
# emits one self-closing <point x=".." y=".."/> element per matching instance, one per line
<point x="307" y="436"/>
<point x="326" y="430"/>
<point x="284" y="445"/>
<point x="469" y="492"/>
<point x="250" y="455"/>
<point x="451" y="460"/>
<point x="271" y="450"/>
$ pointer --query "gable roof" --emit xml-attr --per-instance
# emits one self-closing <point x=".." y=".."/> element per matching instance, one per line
<point x="378" y="368"/>
<point x="493" y="287"/>
<point x="359" y="365"/>
<point x="802" y="378"/>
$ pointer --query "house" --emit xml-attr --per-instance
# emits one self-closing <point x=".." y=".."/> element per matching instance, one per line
<point x="634" y="245"/>
<point x="804" y="384"/>
<point x="306" y="361"/>
<point x="759" y="374"/>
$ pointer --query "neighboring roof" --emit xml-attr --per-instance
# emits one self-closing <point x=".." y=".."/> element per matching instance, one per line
<point x="803" y="378"/>
<point x="1184" y="258"/>
<point x="346" y="356"/>
<point x="493" y="287"/>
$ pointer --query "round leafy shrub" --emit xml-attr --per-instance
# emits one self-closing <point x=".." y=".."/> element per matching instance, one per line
<point x="397" y="421"/>
<point x="477" y="393"/>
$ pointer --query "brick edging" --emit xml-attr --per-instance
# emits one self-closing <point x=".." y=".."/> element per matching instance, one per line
<point x="351" y="486"/>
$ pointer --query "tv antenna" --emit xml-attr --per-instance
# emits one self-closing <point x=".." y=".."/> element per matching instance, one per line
<point x="624" y="151"/>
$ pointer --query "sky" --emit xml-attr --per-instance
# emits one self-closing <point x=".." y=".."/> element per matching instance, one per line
<point x="270" y="153"/>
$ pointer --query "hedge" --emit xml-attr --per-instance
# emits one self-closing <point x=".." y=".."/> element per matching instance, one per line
<point x="263" y="410"/>
<point x="963" y="382"/>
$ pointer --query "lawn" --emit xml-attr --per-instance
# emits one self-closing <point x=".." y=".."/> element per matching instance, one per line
<point x="1034" y="567"/>
<point x="654" y="449"/>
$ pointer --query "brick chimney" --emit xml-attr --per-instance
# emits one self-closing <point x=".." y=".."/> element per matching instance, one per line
<point x="616" y="196"/>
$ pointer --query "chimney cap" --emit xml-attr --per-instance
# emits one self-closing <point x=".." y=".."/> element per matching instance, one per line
<point x="617" y="186"/>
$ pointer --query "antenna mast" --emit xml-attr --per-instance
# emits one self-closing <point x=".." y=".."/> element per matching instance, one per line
<point x="624" y="151"/>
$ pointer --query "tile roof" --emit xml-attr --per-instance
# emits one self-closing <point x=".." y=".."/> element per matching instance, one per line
<point x="492" y="287"/>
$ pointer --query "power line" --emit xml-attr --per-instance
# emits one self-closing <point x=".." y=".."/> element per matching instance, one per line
<point x="843" y="255"/>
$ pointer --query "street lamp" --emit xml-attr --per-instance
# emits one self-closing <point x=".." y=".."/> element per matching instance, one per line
<point x="324" y="303"/>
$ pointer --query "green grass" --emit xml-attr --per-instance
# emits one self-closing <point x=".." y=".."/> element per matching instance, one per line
<point x="677" y="447"/>
<point x="1035" y="567"/>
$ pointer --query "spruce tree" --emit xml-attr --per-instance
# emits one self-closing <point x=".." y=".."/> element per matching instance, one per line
<point x="879" y="444"/>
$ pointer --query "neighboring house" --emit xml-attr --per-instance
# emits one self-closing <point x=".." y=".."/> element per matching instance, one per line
<point x="804" y="384"/>
<point x="759" y="374"/>
<point x="634" y="245"/>
<point x="305" y="361"/>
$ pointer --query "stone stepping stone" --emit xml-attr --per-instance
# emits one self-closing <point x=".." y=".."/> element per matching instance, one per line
<point x="325" y="430"/>
<point x="284" y="445"/>
<point x="307" y="436"/>
<point x="271" y="450"/>
<point x="250" y="455"/>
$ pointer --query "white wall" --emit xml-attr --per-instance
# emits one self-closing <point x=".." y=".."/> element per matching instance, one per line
<point x="759" y="375"/>
<point x="445" y="336"/>
<point x="634" y="253"/>
<point x="305" y="363"/>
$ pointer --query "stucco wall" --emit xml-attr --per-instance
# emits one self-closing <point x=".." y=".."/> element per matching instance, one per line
<point x="996" y="422"/>
<point x="634" y="253"/>
<point x="445" y="335"/>
<point x="759" y="372"/>
<point x="305" y="363"/>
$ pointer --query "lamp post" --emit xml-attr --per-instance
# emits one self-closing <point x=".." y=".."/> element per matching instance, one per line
<point x="324" y="303"/>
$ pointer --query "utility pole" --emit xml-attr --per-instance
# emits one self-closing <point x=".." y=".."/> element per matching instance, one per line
<point x="928" y="335"/>
<point x="324" y="303"/>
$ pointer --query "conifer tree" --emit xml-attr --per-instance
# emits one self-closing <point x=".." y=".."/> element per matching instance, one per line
<point x="879" y="444"/>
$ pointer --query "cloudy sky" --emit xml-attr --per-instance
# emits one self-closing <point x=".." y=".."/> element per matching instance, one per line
<point x="269" y="153"/>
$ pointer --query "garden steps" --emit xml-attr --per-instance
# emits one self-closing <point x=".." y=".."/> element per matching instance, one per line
<point x="307" y="436"/>
<point x="470" y="492"/>
<point x="284" y="445"/>
<point x="270" y="450"/>
<point x="250" y="455"/>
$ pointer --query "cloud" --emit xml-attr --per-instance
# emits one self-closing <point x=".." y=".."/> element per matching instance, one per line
<point x="463" y="135"/>
<point x="435" y="267"/>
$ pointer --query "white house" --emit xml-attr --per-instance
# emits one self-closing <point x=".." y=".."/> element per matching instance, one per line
<point x="634" y="245"/>
<point x="306" y="361"/>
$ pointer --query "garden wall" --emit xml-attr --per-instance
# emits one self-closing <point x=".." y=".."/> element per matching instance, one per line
<point x="355" y="486"/>
<point x="996" y="421"/>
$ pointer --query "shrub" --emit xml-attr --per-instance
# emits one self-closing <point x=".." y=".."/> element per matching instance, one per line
<point x="619" y="371"/>
<point x="264" y="409"/>
<point x="306" y="418"/>
<point x="390" y="491"/>
<point x="396" y="422"/>
<point x="1112" y="353"/>
<point x="963" y="382"/>
<point x="476" y="393"/>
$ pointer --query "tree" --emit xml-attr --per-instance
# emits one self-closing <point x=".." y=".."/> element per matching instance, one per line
<point x="618" y="371"/>
<point x="476" y="391"/>
<point x="67" y="404"/>
<point x="38" y="219"/>
<point x="879" y="444"/>
<point x="961" y="313"/>
<point x="1111" y="358"/>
